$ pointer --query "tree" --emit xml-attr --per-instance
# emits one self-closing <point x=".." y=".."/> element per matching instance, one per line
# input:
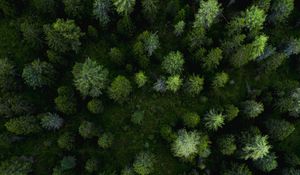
<point x="7" y="75"/>
<point x="191" y="119"/>
<point x="179" y="28"/>
<point x="227" y="145"/>
<point x="87" y="129"/>
<point x="105" y="140"/>
<point x="213" y="120"/>
<point x="116" y="55"/>
<point x="95" y="106"/>
<point x="15" y="166"/>
<point x="32" y="33"/>
<point x="280" y="10"/>
<point x="293" y="47"/>
<point x="252" y="109"/>
<point x="66" y="141"/>
<point x="119" y="89"/>
<point x="90" y="78"/>
<point x="140" y="79"/>
<point x="144" y="163"/>
<point x="14" y="105"/>
<point x="73" y="8"/>
<point x="279" y="129"/>
<point x="274" y="61"/>
<point x="44" y="6"/>
<point x="290" y="103"/>
<point x="51" y="121"/>
<point x="186" y="144"/>
<point x="127" y="171"/>
<point x="194" y="85"/>
<point x="220" y="80"/>
<point x="167" y="133"/>
<point x="173" y="63"/>
<point x="124" y="7"/>
<point x="38" y="74"/>
<point x="207" y="14"/>
<point x="231" y="112"/>
<point x="174" y="83"/>
<point x="101" y="10"/>
<point x="91" y="165"/>
<point x="147" y="43"/>
<point x="68" y="162"/>
<point x="137" y="117"/>
<point x="266" y="163"/>
<point x="66" y="101"/>
<point x="212" y="60"/>
<point x="255" y="147"/>
<point x="63" y="36"/>
<point x="23" y="125"/>
<point x="150" y="9"/>
<point x="238" y="169"/>
<point x="160" y="85"/>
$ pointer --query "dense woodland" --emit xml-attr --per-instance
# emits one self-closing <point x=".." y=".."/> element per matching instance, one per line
<point x="149" y="87"/>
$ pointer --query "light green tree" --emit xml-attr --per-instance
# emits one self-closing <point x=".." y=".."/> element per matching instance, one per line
<point x="95" y="106"/>
<point x="105" y="140"/>
<point x="23" y="125"/>
<point x="173" y="63"/>
<point x="194" y="85"/>
<point x="255" y="147"/>
<point x="124" y="7"/>
<point x="91" y="165"/>
<point x="140" y="79"/>
<point x="179" y="28"/>
<point x="66" y="141"/>
<point x="90" y="78"/>
<point x="87" y="129"/>
<point x="220" y="80"/>
<point x="144" y="163"/>
<point x="214" y="120"/>
<point x="174" y="83"/>
<point x="212" y="60"/>
<point x="119" y="89"/>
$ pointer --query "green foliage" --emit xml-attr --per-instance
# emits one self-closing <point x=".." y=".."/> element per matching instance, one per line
<point x="273" y="62"/>
<point x="291" y="171"/>
<point x="212" y="60"/>
<point x="90" y="78"/>
<point x="124" y="7"/>
<point x="127" y="171"/>
<point x="252" y="109"/>
<point x="207" y="13"/>
<point x="147" y="43"/>
<point x="150" y="9"/>
<point x="32" y="33"/>
<point x="119" y="89"/>
<point x="227" y="145"/>
<point x="105" y="140"/>
<point x="137" y="117"/>
<point x="214" y="120"/>
<point x="191" y="119"/>
<point x="95" y="106"/>
<point x="15" y="166"/>
<point x="91" y="165"/>
<point x="65" y="101"/>
<point x="280" y="10"/>
<point x="73" y="8"/>
<point x="220" y="80"/>
<point x="174" y="83"/>
<point x="167" y="133"/>
<point x="66" y="141"/>
<point x="101" y="10"/>
<point x="116" y="55"/>
<point x="68" y="162"/>
<point x="7" y="75"/>
<point x="44" y="6"/>
<point x="173" y="63"/>
<point x="290" y="103"/>
<point x="186" y="144"/>
<point x="63" y="36"/>
<point x="238" y="169"/>
<point x="23" y="125"/>
<point x="279" y="129"/>
<point x="266" y="163"/>
<point x="194" y="85"/>
<point x="87" y="129"/>
<point x="144" y="163"/>
<point x="179" y="28"/>
<point x="51" y="121"/>
<point x="38" y="74"/>
<point x="13" y="105"/>
<point x="231" y="112"/>
<point x="140" y="79"/>
<point x="256" y="147"/>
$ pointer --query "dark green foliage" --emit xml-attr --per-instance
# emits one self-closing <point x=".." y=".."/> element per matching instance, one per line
<point x="220" y="80"/>
<point x="23" y="125"/>
<point x="194" y="85"/>
<point x="87" y="129"/>
<point x="32" y="33"/>
<point x="15" y="166"/>
<point x="266" y="163"/>
<point x="191" y="119"/>
<point x="91" y="165"/>
<point x="73" y="8"/>
<point x="238" y="169"/>
<point x="105" y="140"/>
<point x="90" y="78"/>
<point x="14" y="105"/>
<point x="137" y="117"/>
<point x="63" y="36"/>
<point x="212" y="60"/>
<point x="231" y="112"/>
<point x="279" y="129"/>
<point x="101" y="10"/>
<point x="144" y="163"/>
<point x="252" y="109"/>
<point x="66" y="141"/>
<point x="68" y="162"/>
<point x="280" y="10"/>
<point x="173" y="63"/>
<point x="116" y="55"/>
<point x="124" y="7"/>
<point x="227" y="145"/>
<point x="38" y="74"/>
<point x="7" y="74"/>
<point x="95" y="106"/>
<point x="65" y="101"/>
<point x="119" y="89"/>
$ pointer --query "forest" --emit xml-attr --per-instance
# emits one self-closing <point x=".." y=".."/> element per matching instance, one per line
<point x="149" y="87"/>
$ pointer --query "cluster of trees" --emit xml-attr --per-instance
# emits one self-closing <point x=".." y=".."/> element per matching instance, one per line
<point x="149" y="87"/>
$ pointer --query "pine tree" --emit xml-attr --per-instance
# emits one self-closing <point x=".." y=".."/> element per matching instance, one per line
<point x="124" y="7"/>
<point x="255" y="147"/>
<point x="101" y="11"/>
<point x="51" y="121"/>
<point x="120" y="89"/>
<point x="279" y="129"/>
<point x="213" y="120"/>
<point x="173" y="63"/>
<point x="174" y="83"/>
<point x="23" y="125"/>
<point x="144" y="163"/>
<point x="252" y="109"/>
<point x="266" y="163"/>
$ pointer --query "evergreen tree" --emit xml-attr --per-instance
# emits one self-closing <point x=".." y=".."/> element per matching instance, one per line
<point x="65" y="101"/>
<point x="293" y="47"/>
<point x="231" y="112"/>
<point x="66" y="141"/>
<point x="213" y="120"/>
<point x="124" y="7"/>
<point x="137" y="117"/>
<point x="144" y="163"/>
<point x="63" y="36"/>
<point x="280" y="10"/>
<point x="38" y="74"/>
<point x="116" y="56"/>
<point x="23" y="125"/>
<point x="255" y="147"/>
<point x="91" y="165"/>
<point x="173" y="63"/>
<point x="252" y="109"/>
<point x="16" y="166"/>
<point x="174" y="83"/>
<point x="191" y="119"/>
<point x="150" y="9"/>
<point x="238" y="169"/>
<point x="32" y="33"/>
<point x="90" y="78"/>
<point x="95" y="106"/>
<point x="7" y="75"/>
<point x="119" y="89"/>
<point x="87" y="129"/>
<point x="279" y="129"/>
<point x="220" y="80"/>
<point x="212" y="60"/>
<point x="179" y="28"/>
<point x="105" y="140"/>
<point x="194" y="85"/>
<point x="140" y="79"/>
<point x="11" y="105"/>
<point x="51" y="121"/>
<point x="266" y="163"/>
<point x="101" y="10"/>
<point x="127" y="171"/>
<point x="73" y="8"/>
<point x="68" y="162"/>
<point x="227" y="144"/>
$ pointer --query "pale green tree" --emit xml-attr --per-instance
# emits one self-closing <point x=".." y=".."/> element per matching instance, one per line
<point x="124" y="7"/>
<point x="173" y="63"/>
<point x="140" y="79"/>
<point x="120" y="89"/>
<point x="174" y="83"/>
<point x="214" y="120"/>
<point x="144" y="163"/>
<point x="23" y="125"/>
<point x="255" y="147"/>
